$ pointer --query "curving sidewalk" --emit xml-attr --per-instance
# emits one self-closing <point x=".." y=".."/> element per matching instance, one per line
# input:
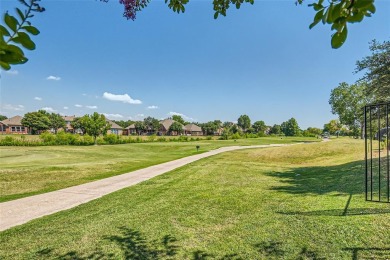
<point x="20" y="211"/>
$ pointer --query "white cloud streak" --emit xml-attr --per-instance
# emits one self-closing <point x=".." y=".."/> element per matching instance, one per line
<point x="49" y="109"/>
<point x="91" y="107"/>
<point x="66" y="107"/>
<point x="77" y="105"/>
<point x="187" y="118"/>
<point x="152" y="107"/>
<point x="125" y="98"/>
<point x="53" y="78"/>
<point x="113" y="115"/>
<point x="38" y="98"/>
<point x="13" y="107"/>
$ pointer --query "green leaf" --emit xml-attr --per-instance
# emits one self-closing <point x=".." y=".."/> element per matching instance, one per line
<point x="371" y="8"/>
<point x="336" y="12"/>
<point x="25" y="40"/>
<point x="328" y="15"/>
<point x="21" y="15"/>
<point x="339" y="38"/>
<point x="5" y="65"/>
<point x="11" y="22"/>
<point x="317" y="18"/>
<point x="215" y="15"/>
<point x="356" y="18"/>
<point x="362" y="3"/>
<point x="32" y="30"/>
<point x="4" y="31"/>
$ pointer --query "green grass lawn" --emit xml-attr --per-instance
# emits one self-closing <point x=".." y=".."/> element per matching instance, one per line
<point x="26" y="171"/>
<point x="297" y="202"/>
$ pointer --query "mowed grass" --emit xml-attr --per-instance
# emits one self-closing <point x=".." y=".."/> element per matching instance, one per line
<point x="27" y="171"/>
<point x="298" y="202"/>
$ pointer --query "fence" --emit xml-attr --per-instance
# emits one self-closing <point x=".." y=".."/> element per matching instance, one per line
<point x="377" y="146"/>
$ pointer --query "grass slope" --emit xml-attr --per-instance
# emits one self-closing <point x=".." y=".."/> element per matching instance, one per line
<point x="27" y="171"/>
<point x="297" y="202"/>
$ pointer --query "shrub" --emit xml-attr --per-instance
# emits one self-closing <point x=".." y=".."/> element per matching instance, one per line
<point x="152" y="138"/>
<point x="111" y="139"/>
<point x="236" y="136"/>
<point x="48" y="138"/>
<point x="161" y="139"/>
<point x="209" y="137"/>
<point x="183" y="138"/>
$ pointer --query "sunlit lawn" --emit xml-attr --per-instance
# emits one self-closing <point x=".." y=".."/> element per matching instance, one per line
<point x="297" y="202"/>
<point x="27" y="171"/>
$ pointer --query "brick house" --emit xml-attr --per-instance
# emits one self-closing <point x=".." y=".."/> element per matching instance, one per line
<point x="13" y="125"/>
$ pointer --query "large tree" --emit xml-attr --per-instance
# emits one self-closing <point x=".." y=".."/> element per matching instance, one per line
<point x="37" y="121"/>
<point x="348" y="101"/>
<point x="56" y="121"/>
<point x="333" y="126"/>
<point x="96" y="125"/>
<point x="179" y="118"/>
<point x="2" y="117"/>
<point x="276" y="130"/>
<point x="259" y="127"/>
<point x="377" y="70"/>
<point x="139" y="127"/>
<point x="176" y="127"/>
<point x="290" y="127"/>
<point x="244" y="122"/>
<point x="152" y="124"/>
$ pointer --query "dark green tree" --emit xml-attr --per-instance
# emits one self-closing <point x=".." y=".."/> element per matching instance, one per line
<point x="332" y="127"/>
<point x="96" y="125"/>
<point x="2" y="117"/>
<point x="176" y="127"/>
<point x="259" y="127"/>
<point x="276" y="130"/>
<point x="56" y="121"/>
<point x="179" y="119"/>
<point x="290" y="127"/>
<point x="80" y="123"/>
<point x="152" y="123"/>
<point x="139" y="127"/>
<point x="244" y="122"/>
<point x="37" y="121"/>
<point x="347" y="101"/>
<point x="377" y="71"/>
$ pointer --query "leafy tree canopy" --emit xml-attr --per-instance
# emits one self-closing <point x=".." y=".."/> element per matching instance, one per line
<point x="176" y="127"/>
<point x="333" y="126"/>
<point x="179" y="119"/>
<point x="290" y="127"/>
<point x="347" y="101"/>
<point x="377" y="71"/>
<point x="2" y="117"/>
<point x="37" y="121"/>
<point x="151" y="123"/>
<point x="95" y="125"/>
<point x="276" y="130"/>
<point x="259" y="127"/>
<point x="244" y="122"/>
<point x="56" y="121"/>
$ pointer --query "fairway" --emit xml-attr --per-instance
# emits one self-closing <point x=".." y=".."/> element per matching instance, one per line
<point x="298" y="202"/>
<point x="27" y="171"/>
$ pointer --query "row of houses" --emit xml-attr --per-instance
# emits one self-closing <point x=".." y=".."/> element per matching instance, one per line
<point x="14" y="125"/>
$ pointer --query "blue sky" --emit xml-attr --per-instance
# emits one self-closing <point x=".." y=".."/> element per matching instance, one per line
<point x="261" y="60"/>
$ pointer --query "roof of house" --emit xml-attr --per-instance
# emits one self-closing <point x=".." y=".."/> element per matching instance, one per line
<point x="16" y="120"/>
<point x="114" y="125"/>
<point x="166" y="123"/>
<point x="132" y="126"/>
<point x="192" y="128"/>
<point x="69" y="118"/>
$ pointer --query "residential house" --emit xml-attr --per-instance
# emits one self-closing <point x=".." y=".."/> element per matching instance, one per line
<point x="130" y="130"/>
<point x="115" y="128"/>
<point x="13" y="125"/>
<point x="192" y="129"/>
<point x="164" y="127"/>
<point x="68" y="121"/>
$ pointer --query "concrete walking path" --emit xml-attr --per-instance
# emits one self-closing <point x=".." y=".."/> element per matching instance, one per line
<point x="20" y="211"/>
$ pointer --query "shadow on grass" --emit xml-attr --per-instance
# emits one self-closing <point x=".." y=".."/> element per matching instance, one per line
<point x="369" y="253"/>
<point x="133" y="245"/>
<point x="344" y="179"/>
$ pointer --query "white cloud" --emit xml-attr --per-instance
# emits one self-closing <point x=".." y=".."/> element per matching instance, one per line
<point x="125" y="98"/>
<point x="140" y="115"/>
<point x="84" y="94"/>
<point x="12" y="72"/>
<point x="49" y="109"/>
<point x="77" y="105"/>
<point x="13" y="107"/>
<point x="187" y="118"/>
<point x="113" y="115"/>
<point x="152" y="107"/>
<point x="66" y="107"/>
<point x="38" y="98"/>
<point x="53" y="78"/>
<point x="91" y="107"/>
